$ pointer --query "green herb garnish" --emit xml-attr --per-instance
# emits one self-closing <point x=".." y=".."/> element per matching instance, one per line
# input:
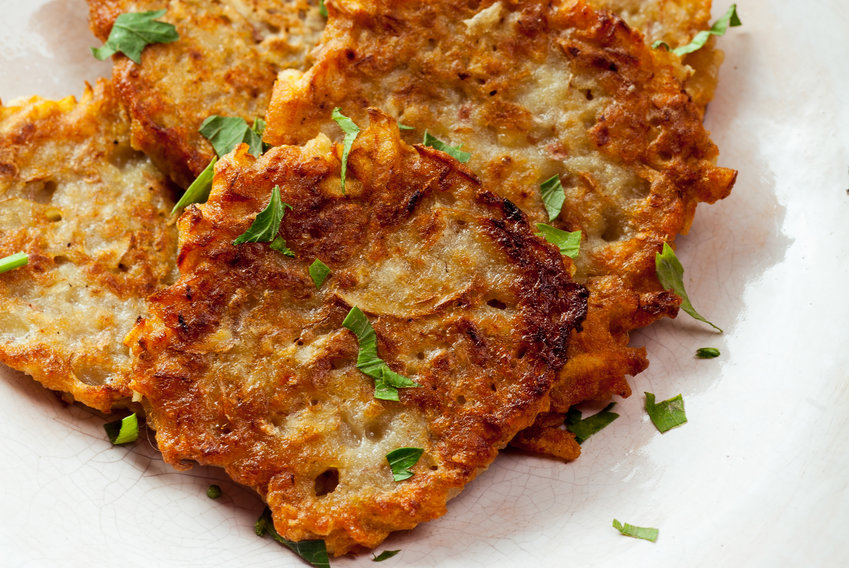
<point x="312" y="551"/>
<point x="728" y="20"/>
<point x="453" y="151"/>
<point x="265" y="227"/>
<point x="351" y="131"/>
<point x="227" y="132"/>
<point x="13" y="261"/>
<point x="123" y="431"/>
<point x="645" y="533"/>
<point x="405" y="127"/>
<point x="385" y="555"/>
<point x="134" y="31"/>
<point x="322" y="8"/>
<point x="213" y="492"/>
<point x="386" y="381"/>
<point x="670" y="273"/>
<point x="568" y="243"/>
<point x="553" y="196"/>
<point x="401" y="460"/>
<point x="667" y="414"/>
<point x="319" y="272"/>
<point x="583" y="429"/>
<point x="279" y="244"/>
<point x="198" y="192"/>
<point x="707" y="353"/>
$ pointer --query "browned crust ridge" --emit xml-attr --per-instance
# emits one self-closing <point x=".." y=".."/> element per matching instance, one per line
<point x="245" y="363"/>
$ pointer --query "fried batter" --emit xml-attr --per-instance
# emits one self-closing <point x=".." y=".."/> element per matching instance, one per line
<point x="91" y="214"/>
<point x="533" y="90"/>
<point x="224" y="63"/>
<point x="245" y="364"/>
<point x="676" y="22"/>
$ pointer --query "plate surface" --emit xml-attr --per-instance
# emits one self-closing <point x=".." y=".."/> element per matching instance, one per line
<point x="758" y="477"/>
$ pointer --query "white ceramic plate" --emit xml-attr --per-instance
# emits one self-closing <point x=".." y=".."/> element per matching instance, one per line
<point x="758" y="477"/>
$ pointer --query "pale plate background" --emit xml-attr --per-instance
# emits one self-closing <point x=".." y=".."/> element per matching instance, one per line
<point x="758" y="477"/>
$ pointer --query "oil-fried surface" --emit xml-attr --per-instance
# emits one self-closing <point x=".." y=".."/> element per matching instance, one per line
<point x="532" y="90"/>
<point x="246" y="365"/>
<point x="91" y="214"/>
<point x="676" y="22"/>
<point x="225" y="62"/>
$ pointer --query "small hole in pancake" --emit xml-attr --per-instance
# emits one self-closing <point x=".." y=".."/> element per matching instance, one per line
<point x="492" y="386"/>
<point x="496" y="303"/>
<point x="60" y="260"/>
<point x="588" y="94"/>
<point x="521" y="352"/>
<point x="123" y="267"/>
<point x="326" y="482"/>
<point x="461" y="399"/>
<point x="434" y="467"/>
<point x="420" y="356"/>
<point x="375" y="431"/>
<point x="41" y="192"/>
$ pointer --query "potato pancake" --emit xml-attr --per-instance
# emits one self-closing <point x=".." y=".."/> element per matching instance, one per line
<point x="245" y="363"/>
<point x="224" y="63"/>
<point x="534" y="90"/>
<point x="676" y="22"/>
<point x="91" y="214"/>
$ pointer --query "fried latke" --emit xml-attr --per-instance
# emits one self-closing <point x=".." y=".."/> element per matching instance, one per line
<point x="91" y="214"/>
<point x="676" y="22"/>
<point x="224" y="63"/>
<point x="533" y="90"/>
<point x="245" y="364"/>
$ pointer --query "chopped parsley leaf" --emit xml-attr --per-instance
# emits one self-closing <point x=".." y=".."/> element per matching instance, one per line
<point x="198" y="192"/>
<point x="728" y="20"/>
<point x="645" y="533"/>
<point x="279" y="244"/>
<point x="707" y="353"/>
<point x="553" y="196"/>
<point x="213" y="492"/>
<point x="227" y="132"/>
<point x="13" y="261"/>
<point x="134" y="31"/>
<point x="667" y="414"/>
<point x="351" y="131"/>
<point x="401" y="460"/>
<point x="385" y="555"/>
<point x="322" y="8"/>
<point x="123" y="431"/>
<point x="453" y="151"/>
<point x="266" y="225"/>
<point x="319" y="272"/>
<point x="670" y="273"/>
<point x="584" y="428"/>
<point x="313" y="552"/>
<point x="404" y="127"/>
<point x="568" y="243"/>
<point x="386" y="381"/>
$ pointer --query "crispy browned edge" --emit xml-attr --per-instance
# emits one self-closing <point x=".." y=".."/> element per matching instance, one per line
<point x="92" y="123"/>
<point x="655" y="129"/>
<point x="166" y="344"/>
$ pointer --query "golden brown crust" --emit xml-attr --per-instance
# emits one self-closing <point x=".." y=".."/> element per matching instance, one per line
<point x="246" y="365"/>
<point x="535" y="89"/>
<point x="91" y="214"/>
<point x="224" y="63"/>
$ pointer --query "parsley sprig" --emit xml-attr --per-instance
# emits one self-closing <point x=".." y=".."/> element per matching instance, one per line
<point x="386" y="381"/>
<point x="670" y="273"/>
<point x="313" y="552"/>
<point x="728" y="20"/>
<point x="266" y="225"/>
<point x="134" y="31"/>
